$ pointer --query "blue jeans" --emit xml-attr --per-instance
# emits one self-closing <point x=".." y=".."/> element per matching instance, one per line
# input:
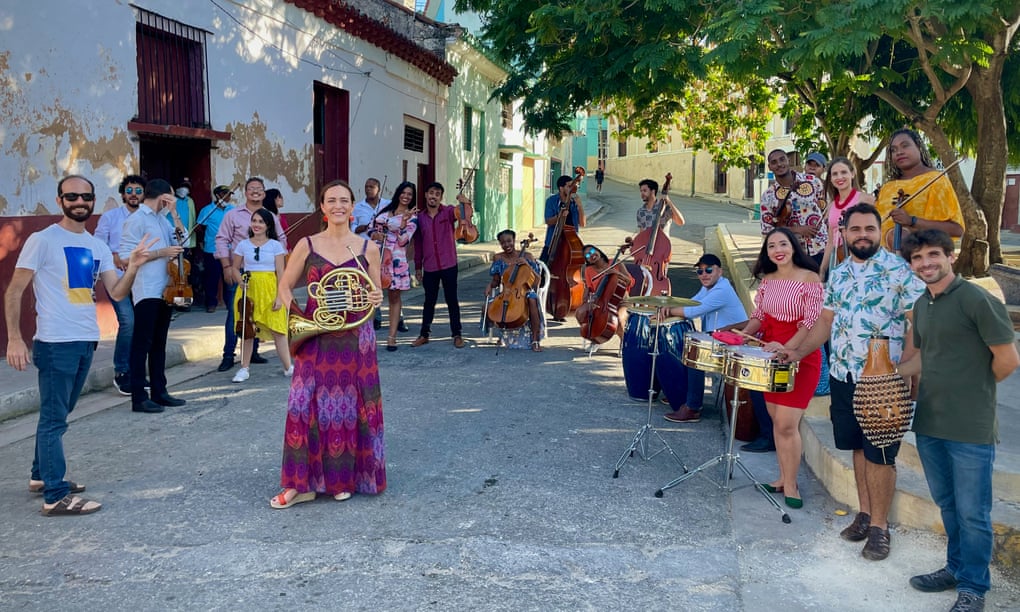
<point x="230" y="338"/>
<point x="63" y="368"/>
<point x="695" y="389"/>
<point x="960" y="480"/>
<point x="125" y="328"/>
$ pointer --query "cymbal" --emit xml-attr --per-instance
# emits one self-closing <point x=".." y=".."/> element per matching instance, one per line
<point x="660" y="301"/>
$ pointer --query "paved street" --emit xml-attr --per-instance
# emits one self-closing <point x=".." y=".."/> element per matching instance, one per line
<point x="500" y="496"/>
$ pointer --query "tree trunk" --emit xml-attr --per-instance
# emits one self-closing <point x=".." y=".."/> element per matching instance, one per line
<point x="973" y="257"/>
<point x="989" y="185"/>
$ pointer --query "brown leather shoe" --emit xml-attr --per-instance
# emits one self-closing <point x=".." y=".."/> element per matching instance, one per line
<point x="458" y="342"/>
<point x="877" y="547"/>
<point x="857" y="530"/>
<point x="684" y="415"/>
<point x="420" y="341"/>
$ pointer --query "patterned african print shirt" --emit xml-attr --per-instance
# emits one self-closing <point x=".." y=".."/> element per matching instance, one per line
<point x="806" y="199"/>
<point x="868" y="298"/>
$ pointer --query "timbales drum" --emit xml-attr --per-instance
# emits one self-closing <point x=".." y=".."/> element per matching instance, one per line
<point x="754" y="368"/>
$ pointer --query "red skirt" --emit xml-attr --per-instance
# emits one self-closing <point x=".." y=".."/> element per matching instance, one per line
<point x="809" y="369"/>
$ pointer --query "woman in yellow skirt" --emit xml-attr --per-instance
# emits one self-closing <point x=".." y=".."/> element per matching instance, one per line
<point x="261" y="259"/>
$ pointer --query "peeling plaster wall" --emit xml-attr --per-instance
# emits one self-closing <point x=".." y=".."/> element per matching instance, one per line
<point x="261" y="79"/>
<point x="65" y="97"/>
<point x="70" y="115"/>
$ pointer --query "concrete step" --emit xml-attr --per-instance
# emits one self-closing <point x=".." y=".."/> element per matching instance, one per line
<point x="912" y="505"/>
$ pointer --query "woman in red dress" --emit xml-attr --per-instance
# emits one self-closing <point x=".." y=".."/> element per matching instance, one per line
<point x="788" y="303"/>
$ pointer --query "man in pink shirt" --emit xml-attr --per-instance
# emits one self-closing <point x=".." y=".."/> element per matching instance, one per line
<point x="435" y="262"/>
<point x="234" y="229"/>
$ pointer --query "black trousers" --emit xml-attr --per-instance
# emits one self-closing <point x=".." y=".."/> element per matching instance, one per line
<point x="430" y="281"/>
<point x="148" y="344"/>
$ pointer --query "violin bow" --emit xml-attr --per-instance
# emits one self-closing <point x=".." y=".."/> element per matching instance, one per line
<point x="216" y="204"/>
<point x="614" y="265"/>
<point x="926" y="185"/>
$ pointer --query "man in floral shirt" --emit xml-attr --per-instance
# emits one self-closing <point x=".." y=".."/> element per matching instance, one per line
<point x="795" y="200"/>
<point x="871" y="293"/>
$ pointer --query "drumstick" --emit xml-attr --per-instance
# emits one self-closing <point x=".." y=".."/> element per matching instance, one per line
<point x="748" y="336"/>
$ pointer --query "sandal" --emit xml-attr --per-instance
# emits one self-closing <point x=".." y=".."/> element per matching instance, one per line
<point x="342" y="496"/>
<point x="280" y="501"/>
<point x="37" y="486"/>
<point x="535" y="346"/>
<point x="391" y="344"/>
<point x="71" y="505"/>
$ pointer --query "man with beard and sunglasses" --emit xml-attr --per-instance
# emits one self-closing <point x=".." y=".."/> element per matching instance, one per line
<point x="63" y="263"/>
<point x="871" y="292"/>
<point x="109" y="230"/>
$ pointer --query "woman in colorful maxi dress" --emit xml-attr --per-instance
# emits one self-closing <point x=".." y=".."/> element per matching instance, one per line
<point x="788" y="303"/>
<point x="395" y="225"/>
<point x="333" y="439"/>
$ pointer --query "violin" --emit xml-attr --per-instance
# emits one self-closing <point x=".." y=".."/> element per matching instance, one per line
<point x="178" y="293"/>
<point x="566" y="254"/>
<point x="894" y="236"/>
<point x="509" y="309"/>
<point x="657" y="248"/>
<point x="604" y="303"/>
<point x="465" y="231"/>
<point x="244" y="321"/>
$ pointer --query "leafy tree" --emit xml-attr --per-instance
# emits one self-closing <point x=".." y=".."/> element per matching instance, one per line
<point x="641" y="61"/>
<point x="925" y="57"/>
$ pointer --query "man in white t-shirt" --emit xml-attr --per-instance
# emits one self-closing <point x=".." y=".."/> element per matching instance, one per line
<point x="63" y="263"/>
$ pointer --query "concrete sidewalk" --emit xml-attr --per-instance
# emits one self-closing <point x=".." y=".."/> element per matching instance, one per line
<point x="912" y="505"/>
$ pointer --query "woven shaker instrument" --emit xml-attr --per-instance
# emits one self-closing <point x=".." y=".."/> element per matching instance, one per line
<point x="882" y="401"/>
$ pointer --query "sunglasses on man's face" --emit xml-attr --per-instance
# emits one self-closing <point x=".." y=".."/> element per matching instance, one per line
<point x="706" y="270"/>
<point x="73" y="197"/>
<point x="133" y="190"/>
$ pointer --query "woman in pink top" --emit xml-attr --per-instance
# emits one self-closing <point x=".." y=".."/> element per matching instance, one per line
<point x="843" y="191"/>
<point x="788" y="303"/>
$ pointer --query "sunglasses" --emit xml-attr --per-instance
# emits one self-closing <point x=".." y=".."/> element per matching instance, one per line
<point x="590" y="253"/>
<point x="133" y="190"/>
<point x="70" y="196"/>
<point x="705" y="270"/>
<point x="257" y="253"/>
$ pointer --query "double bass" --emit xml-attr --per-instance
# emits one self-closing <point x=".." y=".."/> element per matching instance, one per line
<point x="566" y="254"/>
<point x="604" y="303"/>
<point x="509" y="309"/>
<point x="657" y="249"/>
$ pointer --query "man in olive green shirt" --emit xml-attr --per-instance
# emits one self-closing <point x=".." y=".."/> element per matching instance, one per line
<point x="966" y="345"/>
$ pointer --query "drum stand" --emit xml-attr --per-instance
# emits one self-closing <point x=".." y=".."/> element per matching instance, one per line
<point x="730" y="458"/>
<point x="640" y="442"/>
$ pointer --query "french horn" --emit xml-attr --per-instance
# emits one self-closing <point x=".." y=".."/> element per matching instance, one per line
<point x="341" y="298"/>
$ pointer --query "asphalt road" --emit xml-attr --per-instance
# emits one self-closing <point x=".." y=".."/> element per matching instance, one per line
<point x="501" y="496"/>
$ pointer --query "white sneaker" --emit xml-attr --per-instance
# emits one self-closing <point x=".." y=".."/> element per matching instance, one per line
<point x="241" y="376"/>
<point x="289" y="371"/>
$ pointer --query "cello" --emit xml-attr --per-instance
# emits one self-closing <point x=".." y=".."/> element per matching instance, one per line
<point x="566" y="254"/>
<point x="509" y="309"/>
<point x="657" y="248"/>
<point x="604" y="303"/>
<point x="465" y="232"/>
